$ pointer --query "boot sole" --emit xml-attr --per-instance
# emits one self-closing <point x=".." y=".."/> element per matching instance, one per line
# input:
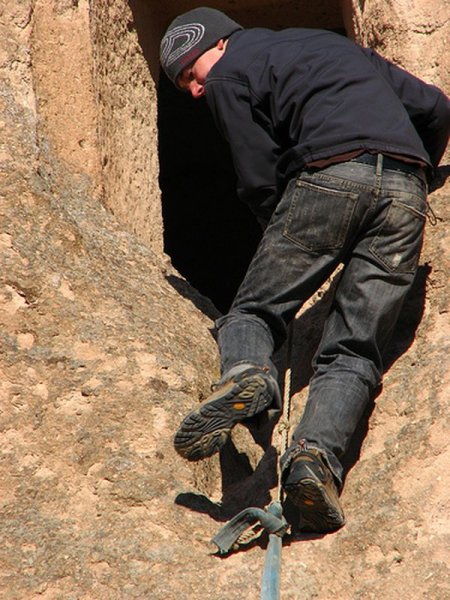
<point x="206" y="429"/>
<point x="318" y="511"/>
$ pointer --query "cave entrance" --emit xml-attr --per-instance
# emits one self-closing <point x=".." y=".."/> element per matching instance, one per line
<point x="208" y="233"/>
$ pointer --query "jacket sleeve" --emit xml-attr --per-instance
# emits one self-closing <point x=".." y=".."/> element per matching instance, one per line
<point x="253" y="150"/>
<point x="427" y="106"/>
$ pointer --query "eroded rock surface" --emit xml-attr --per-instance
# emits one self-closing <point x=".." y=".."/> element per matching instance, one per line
<point x="103" y="348"/>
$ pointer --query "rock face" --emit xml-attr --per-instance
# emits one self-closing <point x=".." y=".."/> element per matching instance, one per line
<point x="103" y="347"/>
<point x="412" y="34"/>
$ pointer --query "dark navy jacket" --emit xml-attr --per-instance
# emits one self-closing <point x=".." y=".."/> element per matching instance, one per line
<point x="284" y="99"/>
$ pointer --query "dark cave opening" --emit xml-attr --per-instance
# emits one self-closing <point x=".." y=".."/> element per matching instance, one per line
<point x="209" y="234"/>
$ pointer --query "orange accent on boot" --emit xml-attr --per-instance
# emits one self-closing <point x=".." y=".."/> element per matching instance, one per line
<point x="239" y="405"/>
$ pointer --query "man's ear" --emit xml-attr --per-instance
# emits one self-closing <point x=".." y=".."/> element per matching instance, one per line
<point x="220" y="44"/>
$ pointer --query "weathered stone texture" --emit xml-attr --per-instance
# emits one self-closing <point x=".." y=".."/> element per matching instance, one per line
<point x="414" y="35"/>
<point x="103" y="347"/>
<point x="62" y="80"/>
<point x="126" y="96"/>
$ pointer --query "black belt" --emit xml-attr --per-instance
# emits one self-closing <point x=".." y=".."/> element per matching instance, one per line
<point x="390" y="163"/>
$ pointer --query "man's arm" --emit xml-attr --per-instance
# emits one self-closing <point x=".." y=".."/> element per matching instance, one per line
<point x="254" y="152"/>
<point x="427" y="106"/>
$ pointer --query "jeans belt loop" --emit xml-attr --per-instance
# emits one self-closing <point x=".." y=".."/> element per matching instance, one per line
<point x="379" y="169"/>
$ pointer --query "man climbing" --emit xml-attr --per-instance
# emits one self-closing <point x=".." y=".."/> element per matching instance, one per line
<point x="332" y="147"/>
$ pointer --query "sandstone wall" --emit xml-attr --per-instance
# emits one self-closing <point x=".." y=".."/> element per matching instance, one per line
<point x="127" y="130"/>
<point x="61" y="53"/>
<point x="413" y="34"/>
<point x="103" y="347"/>
<point x="95" y="329"/>
<point x="95" y="101"/>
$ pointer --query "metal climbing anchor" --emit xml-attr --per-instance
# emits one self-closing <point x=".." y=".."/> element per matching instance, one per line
<point x="272" y="521"/>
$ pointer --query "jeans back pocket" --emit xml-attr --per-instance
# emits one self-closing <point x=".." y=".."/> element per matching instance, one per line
<point x="319" y="218"/>
<point x="399" y="241"/>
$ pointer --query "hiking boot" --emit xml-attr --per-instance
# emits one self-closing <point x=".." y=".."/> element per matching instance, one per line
<point x="206" y="429"/>
<point x="310" y="487"/>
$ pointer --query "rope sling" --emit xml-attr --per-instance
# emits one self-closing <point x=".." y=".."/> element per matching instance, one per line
<point x="242" y="527"/>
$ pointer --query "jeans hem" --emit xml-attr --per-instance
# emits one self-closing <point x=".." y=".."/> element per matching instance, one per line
<point x="291" y="453"/>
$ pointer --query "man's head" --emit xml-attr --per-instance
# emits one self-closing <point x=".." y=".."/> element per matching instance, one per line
<point x="198" y="33"/>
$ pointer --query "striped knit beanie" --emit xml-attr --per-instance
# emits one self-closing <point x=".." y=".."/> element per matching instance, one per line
<point x="190" y="35"/>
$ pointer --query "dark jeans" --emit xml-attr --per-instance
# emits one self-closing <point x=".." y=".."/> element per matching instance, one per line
<point x="367" y="217"/>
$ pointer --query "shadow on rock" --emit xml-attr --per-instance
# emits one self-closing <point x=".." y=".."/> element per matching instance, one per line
<point x="201" y="504"/>
<point x="242" y="486"/>
<point x="441" y="175"/>
<point x="201" y="302"/>
<point x="410" y="317"/>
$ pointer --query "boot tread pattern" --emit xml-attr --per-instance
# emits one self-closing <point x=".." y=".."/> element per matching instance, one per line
<point x="207" y="428"/>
